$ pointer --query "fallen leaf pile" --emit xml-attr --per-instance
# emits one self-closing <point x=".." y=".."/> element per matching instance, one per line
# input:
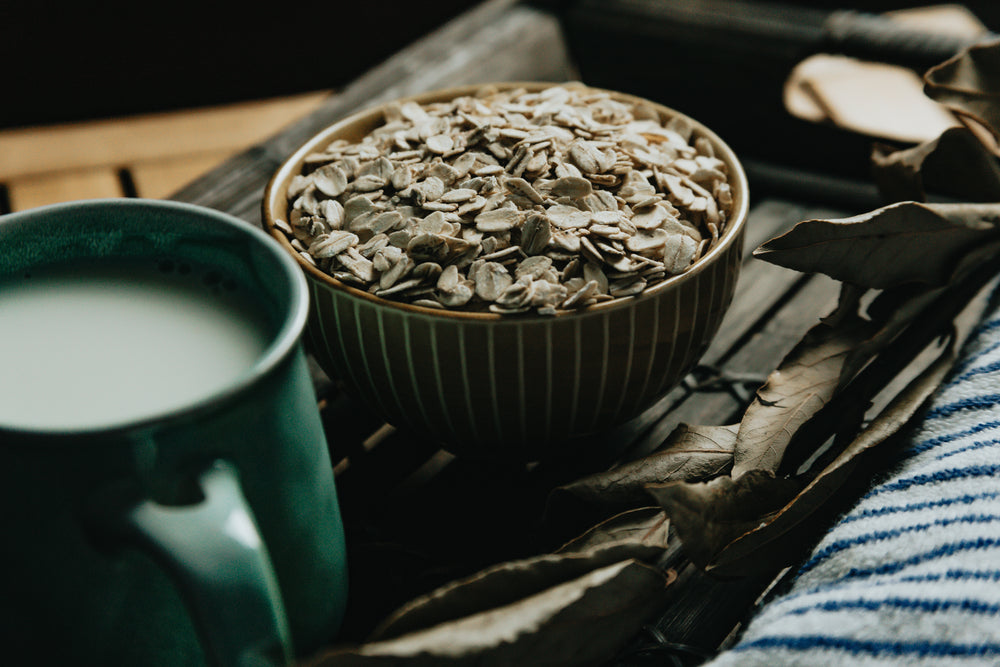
<point x="576" y="606"/>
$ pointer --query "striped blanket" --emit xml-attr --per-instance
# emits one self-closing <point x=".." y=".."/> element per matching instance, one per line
<point x="910" y="575"/>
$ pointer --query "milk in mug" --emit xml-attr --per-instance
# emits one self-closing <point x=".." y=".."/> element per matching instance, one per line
<point x="94" y="344"/>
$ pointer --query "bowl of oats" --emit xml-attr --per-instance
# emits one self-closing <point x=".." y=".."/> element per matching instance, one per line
<point x="506" y="268"/>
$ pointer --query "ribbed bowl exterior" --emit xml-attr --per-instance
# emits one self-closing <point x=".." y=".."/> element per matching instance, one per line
<point x="517" y="387"/>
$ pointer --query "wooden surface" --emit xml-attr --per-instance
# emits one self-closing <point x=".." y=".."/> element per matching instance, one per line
<point x="406" y="532"/>
<point x="149" y="155"/>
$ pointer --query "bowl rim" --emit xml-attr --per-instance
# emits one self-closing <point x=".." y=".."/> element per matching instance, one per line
<point x="275" y="201"/>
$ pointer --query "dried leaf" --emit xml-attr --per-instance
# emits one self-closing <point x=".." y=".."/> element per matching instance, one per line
<point x="891" y="311"/>
<point x="770" y="542"/>
<point x="584" y="621"/>
<point x="763" y="546"/>
<point x="969" y="85"/>
<point x="848" y="304"/>
<point x="897" y="244"/>
<point x="690" y="453"/>
<point x="956" y="164"/>
<point x="641" y="536"/>
<point x="710" y="515"/>
<point x="800" y="387"/>
<point x="895" y="308"/>
<point x="909" y="319"/>
<point x="636" y="530"/>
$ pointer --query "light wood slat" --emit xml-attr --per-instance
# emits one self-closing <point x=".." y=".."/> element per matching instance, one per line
<point x="115" y="142"/>
<point x="32" y="191"/>
<point x="158" y="179"/>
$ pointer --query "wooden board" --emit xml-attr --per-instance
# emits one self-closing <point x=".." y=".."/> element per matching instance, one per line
<point x="162" y="177"/>
<point x="116" y="142"/>
<point x="31" y="191"/>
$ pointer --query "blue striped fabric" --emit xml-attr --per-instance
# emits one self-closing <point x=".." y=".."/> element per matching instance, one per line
<point x="910" y="575"/>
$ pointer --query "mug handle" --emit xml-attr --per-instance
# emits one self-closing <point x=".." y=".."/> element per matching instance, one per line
<point x="215" y="553"/>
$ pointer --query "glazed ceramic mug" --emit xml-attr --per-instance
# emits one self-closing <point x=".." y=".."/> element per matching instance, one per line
<point x="166" y="488"/>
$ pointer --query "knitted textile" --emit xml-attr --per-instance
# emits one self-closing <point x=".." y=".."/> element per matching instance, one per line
<point x="911" y="574"/>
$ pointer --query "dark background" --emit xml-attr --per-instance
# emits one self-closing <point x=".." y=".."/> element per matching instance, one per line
<point x="726" y="63"/>
<point x="68" y="61"/>
<point x="76" y="61"/>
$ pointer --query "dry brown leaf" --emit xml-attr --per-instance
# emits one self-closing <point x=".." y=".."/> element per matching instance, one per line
<point x="848" y="304"/>
<point x="690" y="453"/>
<point x="969" y="85"/>
<point x="894" y="245"/>
<point x="769" y="543"/>
<point x="634" y="535"/>
<point x="956" y="164"/>
<point x="762" y="547"/>
<point x="805" y="381"/>
<point x="584" y="621"/>
<point x="891" y="312"/>
<point x="641" y="528"/>
<point x="710" y="515"/>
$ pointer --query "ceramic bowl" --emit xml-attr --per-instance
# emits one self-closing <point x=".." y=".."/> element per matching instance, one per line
<point x="514" y="387"/>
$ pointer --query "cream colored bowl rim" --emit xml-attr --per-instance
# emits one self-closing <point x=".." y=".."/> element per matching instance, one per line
<point x="275" y="204"/>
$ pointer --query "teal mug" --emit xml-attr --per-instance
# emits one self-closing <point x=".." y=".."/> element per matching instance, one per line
<point x="167" y="491"/>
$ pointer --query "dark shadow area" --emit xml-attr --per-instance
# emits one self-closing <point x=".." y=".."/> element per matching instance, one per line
<point x="74" y="61"/>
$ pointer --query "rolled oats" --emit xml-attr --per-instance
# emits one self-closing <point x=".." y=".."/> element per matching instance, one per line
<point x="512" y="201"/>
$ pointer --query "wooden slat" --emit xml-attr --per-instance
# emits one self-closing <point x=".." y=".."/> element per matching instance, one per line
<point x="115" y="142"/>
<point x="157" y="179"/>
<point x="32" y="191"/>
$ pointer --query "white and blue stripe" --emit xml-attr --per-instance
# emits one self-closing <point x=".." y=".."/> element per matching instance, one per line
<point x="911" y="575"/>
